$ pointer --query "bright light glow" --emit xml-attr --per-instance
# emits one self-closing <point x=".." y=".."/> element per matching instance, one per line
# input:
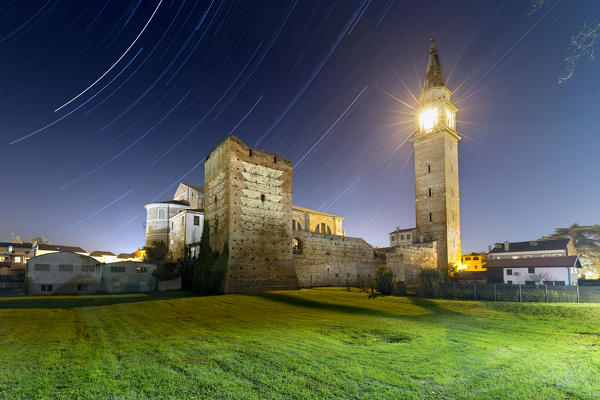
<point x="450" y="118"/>
<point x="428" y="118"/>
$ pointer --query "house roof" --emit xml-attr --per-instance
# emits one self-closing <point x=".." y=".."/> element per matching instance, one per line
<point x="126" y="255"/>
<point x="563" y="261"/>
<point x="475" y="254"/>
<point x="60" y="247"/>
<point x="101" y="253"/>
<point x="199" y="189"/>
<point x="308" y="210"/>
<point x="535" y="245"/>
<point x="403" y="230"/>
<point x="17" y="245"/>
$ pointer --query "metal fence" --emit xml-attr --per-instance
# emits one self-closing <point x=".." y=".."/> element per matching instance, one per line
<point x="539" y="293"/>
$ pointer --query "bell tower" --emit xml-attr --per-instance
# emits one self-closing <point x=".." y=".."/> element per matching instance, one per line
<point x="435" y="142"/>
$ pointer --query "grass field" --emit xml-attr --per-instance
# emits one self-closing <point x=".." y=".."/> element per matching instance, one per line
<point x="321" y="343"/>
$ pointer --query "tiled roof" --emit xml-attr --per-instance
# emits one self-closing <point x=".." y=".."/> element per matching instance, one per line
<point x="563" y="261"/>
<point x="60" y="247"/>
<point x="16" y="245"/>
<point x="101" y="253"/>
<point x="535" y="245"/>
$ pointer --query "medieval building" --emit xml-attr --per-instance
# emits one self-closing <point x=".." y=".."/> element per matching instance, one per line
<point x="435" y="143"/>
<point x="273" y="244"/>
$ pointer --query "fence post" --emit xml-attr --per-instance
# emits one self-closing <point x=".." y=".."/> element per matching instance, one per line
<point x="495" y="292"/>
<point x="454" y="286"/>
<point x="577" y="286"/>
<point x="311" y="280"/>
<point x="519" y="292"/>
<point x="546" y="286"/>
<point x="474" y="290"/>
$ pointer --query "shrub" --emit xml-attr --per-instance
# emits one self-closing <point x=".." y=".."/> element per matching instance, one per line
<point x="209" y="269"/>
<point x="384" y="280"/>
<point x="429" y="282"/>
<point x="167" y="271"/>
<point x="400" y="289"/>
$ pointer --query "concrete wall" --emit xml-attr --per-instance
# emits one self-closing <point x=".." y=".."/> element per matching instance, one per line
<point x="521" y="275"/>
<point x="63" y="273"/>
<point x="128" y="277"/>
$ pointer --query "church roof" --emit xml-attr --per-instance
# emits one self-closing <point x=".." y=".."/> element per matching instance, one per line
<point x="434" y="77"/>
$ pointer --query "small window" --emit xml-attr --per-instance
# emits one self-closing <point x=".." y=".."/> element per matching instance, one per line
<point x="408" y="236"/>
<point x="559" y="283"/>
<point x="430" y="217"/>
<point x="42" y="267"/>
<point x="274" y="159"/>
<point x="141" y="269"/>
<point x="262" y="197"/>
<point x="401" y="237"/>
<point x="429" y="169"/>
<point x="531" y="270"/>
<point x="548" y="283"/>
<point x="429" y="192"/>
<point x="250" y="152"/>
<point x="293" y="225"/>
<point x="509" y="272"/>
<point x="475" y="258"/>
<point x="46" y="288"/>
<point x="530" y="282"/>
<point x="467" y="258"/>
<point x="65" y="268"/>
<point x="509" y="282"/>
<point x="18" y="259"/>
<point x="116" y="268"/>
<point x="196" y="220"/>
<point x="82" y="287"/>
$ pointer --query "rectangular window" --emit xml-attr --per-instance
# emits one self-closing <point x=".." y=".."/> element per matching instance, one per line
<point x="408" y="236"/>
<point x="530" y="282"/>
<point x="430" y="217"/>
<point x="475" y="258"/>
<point x="401" y="237"/>
<point x="117" y="269"/>
<point x="42" y="267"/>
<point x="196" y="220"/>
<point x="429" y="169"/>
<point x="429" y="192"/>
<point x="548" y="283"/>
<point x="46" y="288"/>
<point x="467" y="258"/>
<point x="141" y="269"/>
<point x="88" y="268"/>
<point x="531" y="270"/>
<point x="559" y="283"/>
<point x="509" y="272"/>
<point x="65" y="268"/>
<point x="17" y="259"/>
<point x="509" y="282"/>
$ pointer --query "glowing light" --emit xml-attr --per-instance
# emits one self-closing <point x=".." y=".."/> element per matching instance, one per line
<point x="428" y="119"/>
<point x="450" y="118"/>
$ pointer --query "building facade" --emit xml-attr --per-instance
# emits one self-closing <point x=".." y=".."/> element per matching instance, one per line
<point x="474" y="262"/>
<point x="14" y="257"/>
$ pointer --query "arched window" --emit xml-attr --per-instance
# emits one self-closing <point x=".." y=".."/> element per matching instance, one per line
<point x="328" y="230"/>
<point x="317" y="228"/>
<point x="297" y="246"/>
<point x="323" y="228"/>
<point x="298" y="226"/>
<point x="293" y="225"/>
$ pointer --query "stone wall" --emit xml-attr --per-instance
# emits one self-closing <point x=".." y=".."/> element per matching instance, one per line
<point x="330" y="260"/>
<point x="407" y="261"/>
<point x="248" y="202"/>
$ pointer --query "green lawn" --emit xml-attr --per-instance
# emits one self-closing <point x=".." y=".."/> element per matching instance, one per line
<point x="321" y="343"/>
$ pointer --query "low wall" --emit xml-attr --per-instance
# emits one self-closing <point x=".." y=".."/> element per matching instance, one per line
<point x="330" y="260"/>
<point x="173" y="284"/>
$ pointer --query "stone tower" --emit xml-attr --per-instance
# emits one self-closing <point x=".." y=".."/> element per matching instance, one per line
<point x="435" y="142"/>
<point x="248" y="205"/>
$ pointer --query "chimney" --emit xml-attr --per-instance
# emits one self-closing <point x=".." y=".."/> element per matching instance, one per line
<point x="505" y="246"/>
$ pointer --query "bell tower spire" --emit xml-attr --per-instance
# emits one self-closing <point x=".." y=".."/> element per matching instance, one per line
<point x="434" y="77"/>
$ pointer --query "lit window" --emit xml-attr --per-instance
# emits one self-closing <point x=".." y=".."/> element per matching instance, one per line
<point x="450" y="118"/>
<point x="428" y="118"/>
<point x="141" y="269"/>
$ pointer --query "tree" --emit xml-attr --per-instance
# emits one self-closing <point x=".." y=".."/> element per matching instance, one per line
<point x="384" y="280"/>
<point x="449" y="272"/>
<point x="210" y="267"/>
<point x="587" y="244"/>
<point x="39" y="240"/>
<point x="541" y="277"/>
<point x="429" y="282"/>
<point x="157" y="254"/>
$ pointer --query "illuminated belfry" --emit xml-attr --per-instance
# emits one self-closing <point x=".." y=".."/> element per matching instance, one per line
<point x="435" y="142"/>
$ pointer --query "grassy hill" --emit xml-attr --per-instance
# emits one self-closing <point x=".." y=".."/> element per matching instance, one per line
<point x="321" y="343"/>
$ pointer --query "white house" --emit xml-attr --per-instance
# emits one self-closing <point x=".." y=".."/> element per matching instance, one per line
<point x="558" y="270"/>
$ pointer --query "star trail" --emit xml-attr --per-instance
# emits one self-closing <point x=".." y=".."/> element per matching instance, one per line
<point x="108" y="105"/>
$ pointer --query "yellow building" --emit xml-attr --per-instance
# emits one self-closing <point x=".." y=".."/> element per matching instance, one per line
<point x="474" y="261"/>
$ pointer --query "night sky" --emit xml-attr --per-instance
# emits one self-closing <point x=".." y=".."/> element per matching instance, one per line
<point x="107" y="105"/>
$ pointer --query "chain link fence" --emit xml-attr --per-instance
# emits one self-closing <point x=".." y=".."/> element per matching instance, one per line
<point x="503" y="292"/>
